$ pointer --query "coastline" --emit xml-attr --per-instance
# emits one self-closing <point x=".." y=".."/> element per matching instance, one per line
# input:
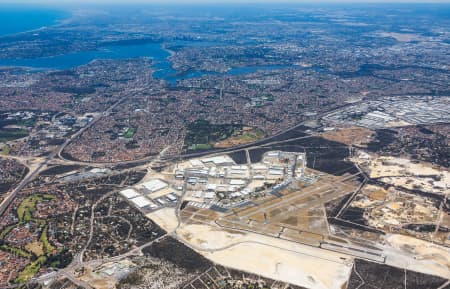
<point x="51" y="17"/>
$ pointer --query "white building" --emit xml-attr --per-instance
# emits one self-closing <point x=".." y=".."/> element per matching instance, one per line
<point x="210" y="195"/>
<point x="171" y="197"/>
<point x="129" y="193"/>
<point x="141" y="202"/>
<point x="219" y="160"/>
<point x="235" y="182"/>
<point x="196" y="163"/>
<point x="154" y="186"/>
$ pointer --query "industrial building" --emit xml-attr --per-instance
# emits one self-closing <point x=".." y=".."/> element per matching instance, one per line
<point x="154" y="186"/>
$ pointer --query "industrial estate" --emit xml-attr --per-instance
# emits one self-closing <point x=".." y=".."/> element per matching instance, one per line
<point x="244" y="146"/>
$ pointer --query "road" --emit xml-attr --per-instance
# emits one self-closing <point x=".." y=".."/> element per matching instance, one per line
<point x="35" y="172"/>
<point x="32" y="174"/>
<point x="69" y="270"/>
<point x="57" y="153"/>
<point x="252" y="145"/>
<point x="25" y="181"/>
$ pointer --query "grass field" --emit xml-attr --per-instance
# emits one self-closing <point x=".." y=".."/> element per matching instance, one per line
<point x="240" y="137"/>
<point x="28" y="206"/>
<point x="15" y="251"/>
<point x="5" y="150"/>
<point x="48" y="248"/>
<point x="36" y="248"/>
<point x="30" y="270"/>
<point x="37" y="251"/>
<point x="8" y="135"/>
<point x="130" y="133"/>
<point x="202" y="134"/>
<point x="200" y="147"/>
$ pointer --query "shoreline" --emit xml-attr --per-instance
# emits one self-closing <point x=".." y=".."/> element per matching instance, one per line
<point x="61" y="17"/>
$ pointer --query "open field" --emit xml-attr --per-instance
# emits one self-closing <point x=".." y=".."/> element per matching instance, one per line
<point x="417" y="255"/>
<point x="357" y="136"/>
<point x="272" y="258"/>
<point x="409" y="175"/>
<point x="244" y="136"/>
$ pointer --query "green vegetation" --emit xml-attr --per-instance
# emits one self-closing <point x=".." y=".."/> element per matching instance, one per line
<point x="6" y="231"/>
<point x="12" y="134"/>
<point x="15" y="251"/>
<point x="19" y="131"/>
<point x="130" y="132"/>
<point x="30" y="270"/>
<point x="26" y="209"/>
<point x="25" y="214"/>
<point x="31" y="122"/>
<point x="28" y="206"/>
<point x="246" y="135"/>
<point x="48" y="248"/>
<point x="202" y="134"/>
<point x="133" y="144"/>
<point x="250" y="136"/>
<point x="60" y="260"/>
<point x="134" y="278"/>
<point x="6" y="150"/>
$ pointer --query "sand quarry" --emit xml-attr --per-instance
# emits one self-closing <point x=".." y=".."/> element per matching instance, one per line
<point x="298" y="264"/>
<point x="253" y="253"/>
<point x="417" y="255"/>
<point x="273" y="258"/>
<point x="404" y="173"/>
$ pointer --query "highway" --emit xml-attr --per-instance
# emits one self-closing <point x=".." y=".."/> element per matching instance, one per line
<point x="25" y="181"/>
<point x="259" y="143"/>
<point x="78" y="261"/>
<point x="32" y="174"/>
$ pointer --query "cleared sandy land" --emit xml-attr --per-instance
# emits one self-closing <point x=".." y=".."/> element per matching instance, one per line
<point x="165" y="218"/>
<point x="107" y="275"/>
<point x="279" y="264"/>
<point x="351" y="136"/>
<point x="294" y="263"/>
<point x="397" y="123"/>
<point x="273" y="258"/>
<point x="98" y="281"/>
<point x="298" y="264"/>
<point x="417" y="255"/>
<point x="404" y="173"/>
<point x="390" y="166"/>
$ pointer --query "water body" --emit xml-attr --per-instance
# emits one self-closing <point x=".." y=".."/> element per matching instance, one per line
<point x="70" y="60"/>
<point x="16" y="18"/>
<point x="155" y="51"/>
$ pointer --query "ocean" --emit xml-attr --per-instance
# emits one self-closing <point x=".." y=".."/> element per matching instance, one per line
<point x="20" y="18"/>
